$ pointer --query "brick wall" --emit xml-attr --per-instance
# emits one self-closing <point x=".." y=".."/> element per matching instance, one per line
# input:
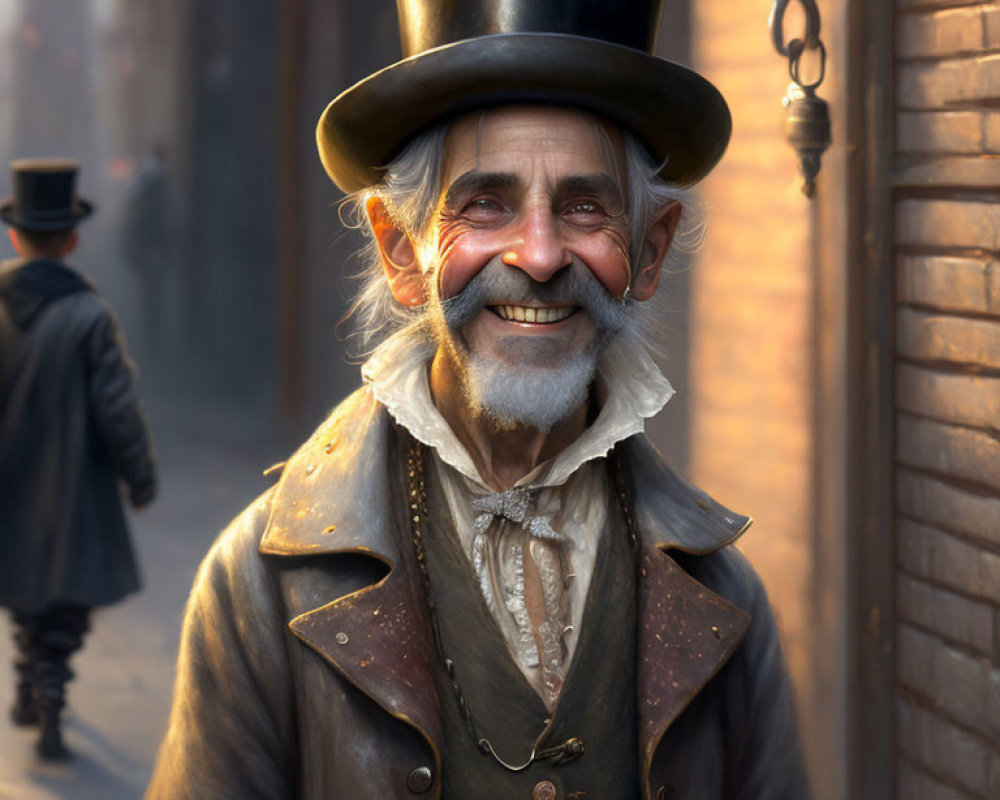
<point x="947" y="245"/>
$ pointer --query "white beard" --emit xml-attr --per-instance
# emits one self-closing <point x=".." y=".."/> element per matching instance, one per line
<point x="538" y="397"/>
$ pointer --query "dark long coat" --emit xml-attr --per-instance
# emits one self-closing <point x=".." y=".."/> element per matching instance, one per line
<point x="71" y="428"/>
<point x="307" y="666"/>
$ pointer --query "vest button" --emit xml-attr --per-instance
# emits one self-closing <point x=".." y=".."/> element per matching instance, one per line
<point x="420" y="780"/>
<point x="544" y="790"/>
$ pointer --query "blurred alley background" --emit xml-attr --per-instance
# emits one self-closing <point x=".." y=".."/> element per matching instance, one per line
<point x="835" y="359"/>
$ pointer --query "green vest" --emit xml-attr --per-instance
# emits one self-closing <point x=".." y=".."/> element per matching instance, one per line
<point x="597" y="701"/>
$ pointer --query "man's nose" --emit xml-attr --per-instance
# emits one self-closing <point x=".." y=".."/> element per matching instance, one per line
<point x="538" y="248"/>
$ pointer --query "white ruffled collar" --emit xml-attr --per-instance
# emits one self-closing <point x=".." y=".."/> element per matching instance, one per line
<point x="635" y="390"/>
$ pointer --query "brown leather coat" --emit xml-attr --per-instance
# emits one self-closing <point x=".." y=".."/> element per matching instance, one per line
<point x="307" y="665"/>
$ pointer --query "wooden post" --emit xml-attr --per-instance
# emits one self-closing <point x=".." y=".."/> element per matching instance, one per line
<point x="870" y="537"/>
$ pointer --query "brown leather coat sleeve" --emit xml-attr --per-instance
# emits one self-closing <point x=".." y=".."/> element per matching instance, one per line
<point x="231" y="732"/>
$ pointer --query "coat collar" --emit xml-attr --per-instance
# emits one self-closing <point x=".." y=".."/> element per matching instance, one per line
<point x="28" y="286"/>
<point x="333" y="498"/>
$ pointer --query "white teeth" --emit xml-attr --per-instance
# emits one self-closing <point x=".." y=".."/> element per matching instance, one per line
<point x="535" y="315"/>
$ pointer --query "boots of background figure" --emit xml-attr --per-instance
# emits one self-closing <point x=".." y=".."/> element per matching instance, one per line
<point x="59" y="635"/>
<point x="50" y="746"/>
<point x="24" y="712"/>
<point x="53" y="673"/>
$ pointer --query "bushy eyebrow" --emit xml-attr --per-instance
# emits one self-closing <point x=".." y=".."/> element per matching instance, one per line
<point x="475" y="181"/>
<point x="598" y="185"/>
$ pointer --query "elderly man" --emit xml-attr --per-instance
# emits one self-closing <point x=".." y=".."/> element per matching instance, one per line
<point x="477" y="579"/>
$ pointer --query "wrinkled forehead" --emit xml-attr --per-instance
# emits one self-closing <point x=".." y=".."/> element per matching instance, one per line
<point x="525" y="138"/>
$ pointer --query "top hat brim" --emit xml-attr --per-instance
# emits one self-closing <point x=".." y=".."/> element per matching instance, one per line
<point x="681" y="118"/>
<point x="9" y="214"/>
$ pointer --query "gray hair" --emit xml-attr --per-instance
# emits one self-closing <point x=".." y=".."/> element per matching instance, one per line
<point x="410" y="190"/>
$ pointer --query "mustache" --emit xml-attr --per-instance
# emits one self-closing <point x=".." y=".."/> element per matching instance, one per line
<point x="499" y="284"/>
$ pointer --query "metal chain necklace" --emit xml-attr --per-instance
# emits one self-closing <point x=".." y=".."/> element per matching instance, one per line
<point x="572" y="748"/>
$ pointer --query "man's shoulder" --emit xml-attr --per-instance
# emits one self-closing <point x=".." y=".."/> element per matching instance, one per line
<point x="671" y="512"/>
<point x="333" y="483"/>
<point x="28" y="288"/>
<point x="728" y="573"/>
<point x="240" y="538"/>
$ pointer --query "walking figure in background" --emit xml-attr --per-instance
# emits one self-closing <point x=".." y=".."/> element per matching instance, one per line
<point x="146" y="242"/>
<point x="71" y="428"/>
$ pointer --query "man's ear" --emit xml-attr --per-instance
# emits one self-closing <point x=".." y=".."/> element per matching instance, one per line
<point x="71" y="242"/>
<point x="399" y="256"/>
<point x="658" y="240"/>
<point x="14" y="240"/>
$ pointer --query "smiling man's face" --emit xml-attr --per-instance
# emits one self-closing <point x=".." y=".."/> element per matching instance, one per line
<point x="525" y="265"/>
<point x="530" y="258"/>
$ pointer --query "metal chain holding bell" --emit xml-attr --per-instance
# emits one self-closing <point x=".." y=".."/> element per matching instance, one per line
<point x="808" y="123"/>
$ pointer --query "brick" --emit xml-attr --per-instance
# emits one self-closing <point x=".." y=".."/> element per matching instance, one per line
<point x="939" y="132"/>
<point x="991" y="27"/>
<point x="925" y="85"/>
<point x="948" y="284"/>
<point x="991" y="132"/>
<point x="963" y="399"/>
<point x="956" y="683"/>
<point x="993" y="697"/>
<point x="942" y="748"/>
<point x="914" y="785"/>
<point x="942" y="33"/>
<point x="956" y="452"/>
<point x="938" y="503"/>
<point x="948" y="223"/>
<point x="932" y="554"/>
<point x="979" y="172"/>
<point x="924" y="5"/>
<point x="930" y="337"/>
<point x="949" y="615"/>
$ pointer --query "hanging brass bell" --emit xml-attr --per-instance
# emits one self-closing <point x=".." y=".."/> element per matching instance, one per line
<point x="807" y="128"/>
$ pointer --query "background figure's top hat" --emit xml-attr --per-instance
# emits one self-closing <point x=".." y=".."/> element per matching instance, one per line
<point x="44" y="199"/>
<point x="461" y="55"/>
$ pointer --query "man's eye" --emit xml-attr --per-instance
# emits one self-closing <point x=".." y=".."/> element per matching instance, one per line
<point x="482" y="208"/>
<point x="583" y="212"/>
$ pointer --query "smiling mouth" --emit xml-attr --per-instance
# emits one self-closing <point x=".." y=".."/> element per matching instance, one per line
<point x="538" y="316"/>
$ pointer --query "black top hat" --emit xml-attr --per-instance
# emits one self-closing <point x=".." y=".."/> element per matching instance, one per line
<point x="466" y="54"/>
<point x="44" y="199"/>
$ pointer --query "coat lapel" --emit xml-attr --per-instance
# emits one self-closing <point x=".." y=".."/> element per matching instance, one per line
<point x="686" y="632"/>
<point x="382" y="646"/>
<point x="335" y="498"/>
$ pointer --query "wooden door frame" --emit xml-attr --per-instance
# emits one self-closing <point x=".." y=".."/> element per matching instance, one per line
<point x="870" y="538"/>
